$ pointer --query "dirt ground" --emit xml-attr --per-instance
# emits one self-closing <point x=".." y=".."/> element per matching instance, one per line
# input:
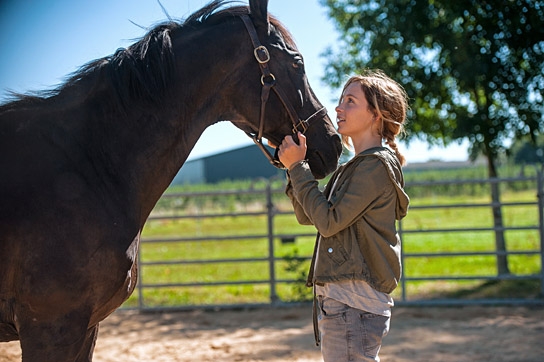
<point x="457" y="334"/>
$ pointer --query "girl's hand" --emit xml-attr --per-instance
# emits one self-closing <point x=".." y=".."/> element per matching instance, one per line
<point x="290" y="153"/>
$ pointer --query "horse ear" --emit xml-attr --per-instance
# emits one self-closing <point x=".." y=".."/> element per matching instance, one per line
<point x="259" y="12"/>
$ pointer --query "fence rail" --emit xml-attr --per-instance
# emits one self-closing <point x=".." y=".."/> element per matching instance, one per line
<point x="274" y="207"/>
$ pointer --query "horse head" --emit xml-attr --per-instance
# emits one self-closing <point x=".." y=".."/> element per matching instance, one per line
<point x="271" y="96"/>
<point x="282" y="71"/>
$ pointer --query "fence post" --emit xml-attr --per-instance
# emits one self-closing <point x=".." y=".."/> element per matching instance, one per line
<point x="540" y="196"/>
<point x="271" y="261"/>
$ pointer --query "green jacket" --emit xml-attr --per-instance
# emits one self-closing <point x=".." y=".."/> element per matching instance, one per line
<point x="358" y="232"/>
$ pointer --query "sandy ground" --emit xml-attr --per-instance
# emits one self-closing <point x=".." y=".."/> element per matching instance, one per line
<point x="491" y="334"/>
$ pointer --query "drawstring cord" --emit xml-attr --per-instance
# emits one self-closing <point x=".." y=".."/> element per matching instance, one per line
<point x="314" y="319"/>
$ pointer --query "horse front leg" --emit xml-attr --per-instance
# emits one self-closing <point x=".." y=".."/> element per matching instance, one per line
<point x="65" y="339"/>
<point x="86" y="353"/>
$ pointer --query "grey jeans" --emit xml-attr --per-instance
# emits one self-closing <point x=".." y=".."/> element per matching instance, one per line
<point x="349" y="334"/>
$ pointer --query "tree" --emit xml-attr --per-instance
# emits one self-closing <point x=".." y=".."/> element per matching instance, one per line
<point x="473" y="69"/>
<point x="525" y="152"/>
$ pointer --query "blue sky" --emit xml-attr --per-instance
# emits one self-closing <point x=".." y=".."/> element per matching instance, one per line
<point x="41" y="42"/>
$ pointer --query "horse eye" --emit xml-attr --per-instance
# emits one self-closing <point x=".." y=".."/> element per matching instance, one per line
<point x="298" y="64"/>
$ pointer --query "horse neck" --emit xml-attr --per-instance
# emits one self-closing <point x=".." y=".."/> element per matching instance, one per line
<point x="142" y="154"/>
<point x="149" y="145"/>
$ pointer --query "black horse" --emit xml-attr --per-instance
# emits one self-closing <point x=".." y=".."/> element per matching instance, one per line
<point x="82" y="166"/>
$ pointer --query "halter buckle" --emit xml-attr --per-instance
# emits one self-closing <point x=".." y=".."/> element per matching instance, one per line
<point x="305" y="123"/>
<point x="261" y="50"/>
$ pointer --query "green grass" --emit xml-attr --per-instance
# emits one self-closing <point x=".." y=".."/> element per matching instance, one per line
<point x="292" y="263"/>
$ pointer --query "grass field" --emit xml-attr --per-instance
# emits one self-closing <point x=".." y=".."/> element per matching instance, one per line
<point x="185" y="261"/>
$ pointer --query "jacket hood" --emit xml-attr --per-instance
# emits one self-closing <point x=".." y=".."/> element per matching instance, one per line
<point x="394" y="169"/>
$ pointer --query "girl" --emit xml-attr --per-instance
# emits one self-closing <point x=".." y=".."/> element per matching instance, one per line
<point x="356" y="262"/>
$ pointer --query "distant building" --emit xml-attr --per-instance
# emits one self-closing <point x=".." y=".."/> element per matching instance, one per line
<point x="437" y="165"/>
<point x="238" y="164"/>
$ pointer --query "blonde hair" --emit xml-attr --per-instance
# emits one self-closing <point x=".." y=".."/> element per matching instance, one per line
<point x="388" y="101"/>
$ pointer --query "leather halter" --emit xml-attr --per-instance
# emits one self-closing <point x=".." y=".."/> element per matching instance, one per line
<point x="269" y="82"/>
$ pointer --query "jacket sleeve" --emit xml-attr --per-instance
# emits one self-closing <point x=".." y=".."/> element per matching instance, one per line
<point x="358" y="190"/>
<point x="301" y="216"/>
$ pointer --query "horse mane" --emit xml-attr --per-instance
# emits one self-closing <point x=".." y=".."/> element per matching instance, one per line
<point x="144" y="70"/>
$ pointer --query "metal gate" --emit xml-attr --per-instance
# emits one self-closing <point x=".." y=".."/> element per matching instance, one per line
<point x="268" y="221"/>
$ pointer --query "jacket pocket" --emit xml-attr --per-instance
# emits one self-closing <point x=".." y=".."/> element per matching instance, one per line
<point x="335" y="251"/>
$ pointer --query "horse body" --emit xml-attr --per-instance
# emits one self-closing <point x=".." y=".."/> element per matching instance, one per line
<point x="85" y="166"/>
<point x="68" y="226"/>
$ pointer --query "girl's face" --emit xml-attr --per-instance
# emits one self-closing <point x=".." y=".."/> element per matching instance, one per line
<point x="354" y="117"/>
